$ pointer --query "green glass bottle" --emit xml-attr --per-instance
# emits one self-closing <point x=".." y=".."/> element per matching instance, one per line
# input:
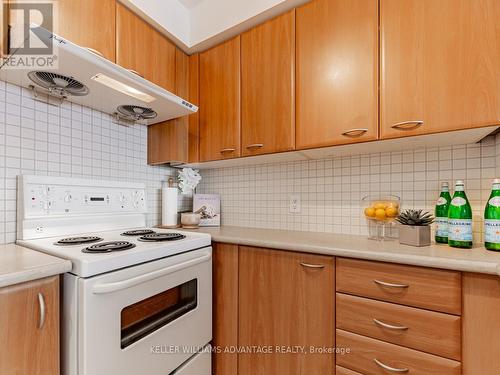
<point x="492" y="219"/>
<point x="460" y="219"/>
<point x="441" y="214"/>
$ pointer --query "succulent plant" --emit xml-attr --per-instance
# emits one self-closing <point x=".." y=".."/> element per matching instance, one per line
<point x="415" y="218"/>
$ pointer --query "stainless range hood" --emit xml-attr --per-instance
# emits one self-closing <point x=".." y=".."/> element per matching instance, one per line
<point x="83" y="77"/>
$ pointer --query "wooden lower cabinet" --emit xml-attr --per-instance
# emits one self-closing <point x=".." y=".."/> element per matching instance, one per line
<point x="276" y="300"/>
<point x="29" y="328"/>
<point x="225" y="308"/>
<point x="370" y="356"/>
<point x="286" y="299"/>
<point x="481" y="324"/>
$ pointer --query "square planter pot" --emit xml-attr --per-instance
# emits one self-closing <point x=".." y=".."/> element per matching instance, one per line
<point x="415" y="235"/>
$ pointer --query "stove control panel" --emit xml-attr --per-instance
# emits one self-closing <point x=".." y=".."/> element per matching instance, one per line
<point x="57" y="199"/>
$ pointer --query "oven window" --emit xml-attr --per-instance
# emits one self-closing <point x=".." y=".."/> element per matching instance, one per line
<point x="146" y="316"/>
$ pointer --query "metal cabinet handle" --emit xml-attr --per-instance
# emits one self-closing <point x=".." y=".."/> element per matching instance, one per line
<point x="227" y="150"/>
<point x="389" y="326"/>
<point x="41" y="306"/>
<point x="256" y="145"/>
<point x="316" y="266"/>
<point x="135" y="72"/>
<point x="390" y="285"/>
<point x="389" y="368"/>
<point x="94" y="51"/>
<point x="408" y="125"/>
<point x="358" y="132"/>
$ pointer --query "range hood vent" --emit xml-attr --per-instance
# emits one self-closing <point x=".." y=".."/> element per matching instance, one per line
<point x="84" y="78"/>
<point x="136" y="113"/>
<point x="57" y="84"/>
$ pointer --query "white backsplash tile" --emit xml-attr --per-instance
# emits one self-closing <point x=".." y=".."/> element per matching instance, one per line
<point x="331" y="189"/>
<point x="69" y="140"/>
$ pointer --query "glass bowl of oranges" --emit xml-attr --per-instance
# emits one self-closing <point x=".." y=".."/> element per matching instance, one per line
<point x="381" y="212"/>
<point x="381" y="208"/>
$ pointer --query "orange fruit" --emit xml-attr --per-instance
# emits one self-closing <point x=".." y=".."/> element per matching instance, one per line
<point x="370" y="212"/>
<point x="391" y="211"/>
<point x="380" y="214"/>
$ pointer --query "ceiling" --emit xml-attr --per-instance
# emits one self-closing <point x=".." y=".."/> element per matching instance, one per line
<point x="190" y="3"/>
<point x="195" y="25"/>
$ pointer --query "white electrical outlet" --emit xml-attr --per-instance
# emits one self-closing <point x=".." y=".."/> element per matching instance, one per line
<point x="294" y="203"/>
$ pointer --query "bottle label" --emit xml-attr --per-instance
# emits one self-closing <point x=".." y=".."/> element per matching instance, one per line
<point x="460" y="230"/>
<point x="458" y="201"/>
<point x="441" y="226"/>
<point x="492" y="231"/>
<point x="441" y="201"/>
<point x="495" y="202"/>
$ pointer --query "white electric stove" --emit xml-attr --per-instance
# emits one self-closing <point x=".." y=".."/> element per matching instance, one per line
<point x="138" y="299"/>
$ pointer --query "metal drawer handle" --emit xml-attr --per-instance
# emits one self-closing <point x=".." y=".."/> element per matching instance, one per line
<point x="41" y="306"/>
<point x="389" y="368"/>
<point x="389" y="326"/>
<point x="408" y="125"/>
<point x="227" y="150"/>
<point x="94" y="51"/>
<point x="316" y="266"/>
<point x="256" y="145"/>
<point x="355" y="132"/>
<point x="135" y="72"/>
<point x="390" y="285"/>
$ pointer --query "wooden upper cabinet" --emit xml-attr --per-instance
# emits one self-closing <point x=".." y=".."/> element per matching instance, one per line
<point x="337" y="72"/>
<point x="286" y="299"/>
<point x="267" y="87"/>
<point x="29" y="328"/>
<point x="88" y="23"/>
<point x="176" y="141"/>
<point x="439" y="65"/>
<point x="220" y="101"/>
<point x="142" y="49"/>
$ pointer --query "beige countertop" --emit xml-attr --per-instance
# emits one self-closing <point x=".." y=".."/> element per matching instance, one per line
<point x="19" y="264"/>
<point x="477" y="259"/>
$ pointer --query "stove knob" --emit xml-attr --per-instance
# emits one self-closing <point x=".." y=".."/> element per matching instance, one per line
<point x="67" y="198"/>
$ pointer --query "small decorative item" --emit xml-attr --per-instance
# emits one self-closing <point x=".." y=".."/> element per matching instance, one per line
<point x="380" y="212"/>
<point x="190" y="220"/>
<point x="415" y="228"/>
<point x="208" y="206"/>
<point x="188" y="180"/>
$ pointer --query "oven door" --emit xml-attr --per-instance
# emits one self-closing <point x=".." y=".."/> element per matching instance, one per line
<point x="148" y="319"/>
<point x="200" y="364"/>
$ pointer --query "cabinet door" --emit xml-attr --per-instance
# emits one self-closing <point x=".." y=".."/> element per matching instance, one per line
<point x="286" y="299"/>
<point x="220" y="101"/>
<point x="88" y="23"/>
<point x="29" y="328"/>
<point x="267" y="87"/>
<point x="225" y="323"/>
<point x="176" y="141"/>
<point x="144" y="50"/>
<point x="439" y="65"/>
<point x="480" y="325"/>
<point x="337" y="72"/>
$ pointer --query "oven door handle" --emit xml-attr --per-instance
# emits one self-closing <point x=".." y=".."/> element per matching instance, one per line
<point x="125" y="284"/>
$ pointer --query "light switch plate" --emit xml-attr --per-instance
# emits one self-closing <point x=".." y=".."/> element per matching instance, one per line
<point x="295" y="204"/>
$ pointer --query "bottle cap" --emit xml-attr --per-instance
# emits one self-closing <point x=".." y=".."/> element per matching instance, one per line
<point x="459" y="182"/>
<point x="496" y="181"/>
<point x="443" y="184"/>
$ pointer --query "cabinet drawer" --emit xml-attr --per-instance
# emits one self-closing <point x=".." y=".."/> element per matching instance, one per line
<point x="344" y="371"/>
<point x="424" y="330"/>
<point x="370" y="356"/>
<point x="428" y="288"/>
